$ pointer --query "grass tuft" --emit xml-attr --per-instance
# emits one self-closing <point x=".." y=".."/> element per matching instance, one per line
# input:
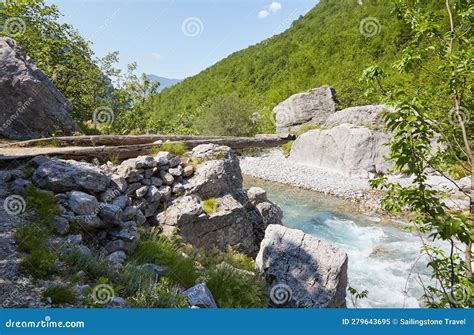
<point x="60" y="295"/>
<point x="232" y="289"/>
<point x="163" y="295"/>
<point x="162" y="251"/>
<point x="177" y="149"/>
<point x="210" y="206"/>
<point x="287" y="148"/>
<point x="39" y="263"/>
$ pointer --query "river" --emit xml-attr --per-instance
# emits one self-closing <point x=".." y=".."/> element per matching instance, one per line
<point x="383" y="258"/>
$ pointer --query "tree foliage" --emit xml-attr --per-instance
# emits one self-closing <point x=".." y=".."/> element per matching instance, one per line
<point x="227" y="115"/>
<point x="429" y="134"/>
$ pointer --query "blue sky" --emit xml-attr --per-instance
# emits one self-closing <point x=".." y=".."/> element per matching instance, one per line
<point x="178" y="38"/>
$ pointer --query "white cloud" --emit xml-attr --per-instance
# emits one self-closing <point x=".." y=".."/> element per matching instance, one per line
<point x="271" y="8"/>
<point x="157" y="56"/>
<point x="263" y="14"/>
<point x="275" y="7"/>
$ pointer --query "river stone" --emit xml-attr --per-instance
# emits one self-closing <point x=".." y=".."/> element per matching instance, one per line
<point x="63" y="176"/>
<point x="129" y="213"/>
<point x="156" y="181"/>
<point x="116" y="245"/>
<point x="82" y="203"/>
<point x="174" y="162"/>
<point x="141" y="192"/>
<point x="312" y="272"/>
<point x="88" y="222"/>
<point x="121" y="201"/>
<point x="61" y="225"/>
<point x="218" y="174"/>
<point x="200" y="296"/>
<point x="311" y="107"/>
<point x="167" y="178"/>
<point x="256" y="195"/>
<point x="117" y="258"/>
<point x="110" y="213"/>
<point x="177" y="171"/>
<point x="145" y="162"/>
<point x="120" y="183"/>
<point x="153" y="194"/>
<point x="140" y="218"/>
<point x="188" y="171"/>
<point x="346" y="149"/>
<point x="30" y="105"/>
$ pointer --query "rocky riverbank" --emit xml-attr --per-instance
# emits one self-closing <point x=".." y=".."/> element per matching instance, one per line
<point x="180" y="226"/>
<point x="274" y="166"/>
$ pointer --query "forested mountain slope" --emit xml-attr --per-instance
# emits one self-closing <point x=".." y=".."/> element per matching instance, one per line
<point x="326" y="46"/>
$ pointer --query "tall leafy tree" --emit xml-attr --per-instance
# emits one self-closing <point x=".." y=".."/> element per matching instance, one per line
<point x="430" y="133"/>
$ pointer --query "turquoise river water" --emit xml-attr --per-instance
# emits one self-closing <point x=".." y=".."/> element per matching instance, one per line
<point x="383" y="258"/>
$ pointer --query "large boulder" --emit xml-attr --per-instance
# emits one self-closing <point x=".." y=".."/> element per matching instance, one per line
<point x="365" y="116"/>
<point x="217" y="173"/>
<point x="30" y="105"/>
<point x="302" y="271"/>
<point x="229" y="226"/>
<point x="311" y="107"/>
<point x="347" y="149"/>
<point x="63" y="176"/>
<point x="240" y="218"/>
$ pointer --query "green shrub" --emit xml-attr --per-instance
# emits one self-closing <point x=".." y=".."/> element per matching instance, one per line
<point x="213" y="257"/>
<point x="163" y="295"/>
<point x="30" y="237"/>
<point x="227" y="115"/>
<point x="287" y="148"/>
<point x="43" y="202"/>
<point x="60" y="294"/>
<point x="161" y="250"/>
<point x="40" y="263"/>
<point x="94" y="267"/>
<point x="177" y="149"/>
<point x="210" y="206"/>
<point x="134" y="279"/>
<point x="233" y="289"/>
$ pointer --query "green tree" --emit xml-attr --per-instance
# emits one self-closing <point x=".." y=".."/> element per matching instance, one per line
<point x="227" y="115"/>
<point x="133" y="102"/>
<point x="430" y="134"/>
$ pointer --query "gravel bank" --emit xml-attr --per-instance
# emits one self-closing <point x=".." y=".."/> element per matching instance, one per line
<point x="273" y="166"/>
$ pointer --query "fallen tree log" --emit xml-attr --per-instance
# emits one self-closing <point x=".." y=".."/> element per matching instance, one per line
<point x="104" y="153"/>
<point x="119" y="140"/>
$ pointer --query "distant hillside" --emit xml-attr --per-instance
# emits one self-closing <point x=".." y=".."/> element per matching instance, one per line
<point x="164" y="82"/>
<point x="325" y="46"/>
